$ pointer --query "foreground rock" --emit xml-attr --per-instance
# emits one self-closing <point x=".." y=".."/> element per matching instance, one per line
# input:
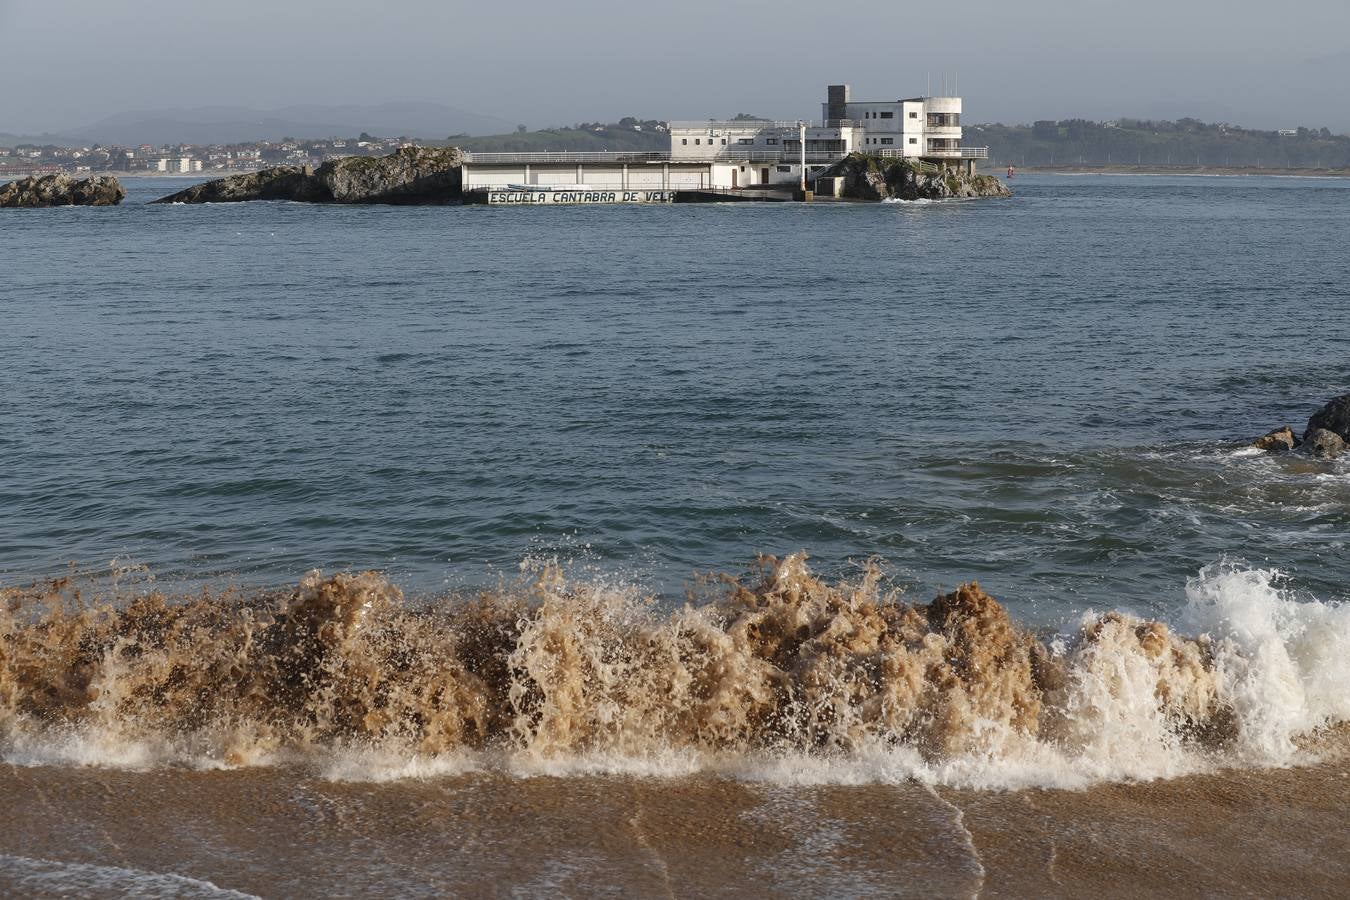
<point x="411" y="175"/>
<point x="1280" y="440"/>
<point x="867" y="177"/>
<point x="1323" y="444"/>
<point x="1334" y="417"/>
<point x="1326" y="437"/>
<point x="61" y="190"/>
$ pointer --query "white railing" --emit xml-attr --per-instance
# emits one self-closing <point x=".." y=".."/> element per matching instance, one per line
<point x="714" y="154"/>
<point x="569" y="156"/>
<point x="714" y="124"/>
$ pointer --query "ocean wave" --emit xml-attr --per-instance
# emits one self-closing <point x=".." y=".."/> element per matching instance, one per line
<point x="922" y="201"/>
<point x="774" y="675"/>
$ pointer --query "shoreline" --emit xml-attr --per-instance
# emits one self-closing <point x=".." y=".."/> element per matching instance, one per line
<point x="272" y="830"/>
<point x="1201" y="171"/>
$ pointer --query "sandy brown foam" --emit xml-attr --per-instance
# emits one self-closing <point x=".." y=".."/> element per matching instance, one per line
<point x="775" y="665"/>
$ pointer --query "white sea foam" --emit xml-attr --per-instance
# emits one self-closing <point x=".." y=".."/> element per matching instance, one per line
<point x="26" y="876"/>
<point x="797" y="682"/>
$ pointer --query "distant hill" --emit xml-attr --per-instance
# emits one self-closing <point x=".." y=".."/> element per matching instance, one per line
<point x="1135" y="142"/>
<point x="612" y="136"/>
<point x="235" y="124"/>
<point x="37" y="140"/>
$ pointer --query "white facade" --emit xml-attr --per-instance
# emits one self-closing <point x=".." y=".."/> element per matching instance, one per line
<point x="926" y="128"/>
<point x="178" y="165"/>
<point x="747" y="153"/>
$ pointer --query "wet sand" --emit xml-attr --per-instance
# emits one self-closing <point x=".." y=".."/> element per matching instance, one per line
<point x="271" y="832"/>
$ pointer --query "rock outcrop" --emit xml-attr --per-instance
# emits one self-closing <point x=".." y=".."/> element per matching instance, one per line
<point x="1326" y="437"/>
<point x="1278" y="441"/>
<point x="1323" y="444"/>
<point x="886" y="178"/>
<point x="62" y="190"/>
<point x="411" y="175"/>
<point x="1334" y="417"/>
<point x="280" y="183"/>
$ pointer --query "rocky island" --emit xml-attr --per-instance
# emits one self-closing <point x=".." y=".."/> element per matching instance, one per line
<point x="410" y="175"/>
<point x="865" y="177"/>
<point x="42" y="191"/>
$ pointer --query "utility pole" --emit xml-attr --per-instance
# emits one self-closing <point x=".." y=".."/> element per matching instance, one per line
<point x="801" y="127"/>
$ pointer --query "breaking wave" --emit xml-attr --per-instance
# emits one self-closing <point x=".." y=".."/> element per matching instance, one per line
<point x="774" y="675"/>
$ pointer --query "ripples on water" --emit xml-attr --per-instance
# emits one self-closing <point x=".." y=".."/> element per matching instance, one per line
<point x="1040" y="393"/>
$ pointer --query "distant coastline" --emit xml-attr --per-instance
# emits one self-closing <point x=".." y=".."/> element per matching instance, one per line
<point x="1178" y="170"/>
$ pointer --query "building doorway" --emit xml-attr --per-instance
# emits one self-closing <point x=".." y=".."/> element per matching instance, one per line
<point x="733" y="178"/>
<point x="764" y="175"/>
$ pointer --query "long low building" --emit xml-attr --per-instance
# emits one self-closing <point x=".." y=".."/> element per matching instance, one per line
<point x="743" y="153"/>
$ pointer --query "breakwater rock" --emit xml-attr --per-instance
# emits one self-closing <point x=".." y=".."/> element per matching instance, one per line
<point x="61" y="190"/>
<point x="866" y="177"/>
<point x="410" y="175"/>
<point x="1326" y="437"/>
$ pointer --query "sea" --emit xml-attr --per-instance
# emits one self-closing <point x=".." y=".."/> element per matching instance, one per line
<point x="743" y="549"/>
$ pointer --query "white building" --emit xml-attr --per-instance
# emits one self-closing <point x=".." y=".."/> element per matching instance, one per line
<point x="745" y="153"/>
<point x="178" y="164"/>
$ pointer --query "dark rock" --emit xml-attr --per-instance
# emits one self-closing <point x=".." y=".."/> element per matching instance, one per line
<point x="1281" y="440"/>
<point x="889" y="178"/>
<point x="280" y="183"/>
<point x="411" y="175"/>
<point x="1322" y="444"/>
<point x="62" y="190"/>
<point x="1334" y="417"/>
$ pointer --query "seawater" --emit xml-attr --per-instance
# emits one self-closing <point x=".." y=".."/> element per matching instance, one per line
<point x="539" y="425"/>
<point x="1047" y="394"/>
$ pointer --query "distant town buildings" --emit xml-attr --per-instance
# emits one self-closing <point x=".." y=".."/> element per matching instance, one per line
<point x="178" y="164"/>
<point x="184" y="159"/>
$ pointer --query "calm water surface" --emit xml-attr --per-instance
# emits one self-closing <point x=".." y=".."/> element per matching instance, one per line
<point x="1042" y="393"/>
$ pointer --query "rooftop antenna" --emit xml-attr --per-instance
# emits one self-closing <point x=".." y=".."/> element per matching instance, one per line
<point x="929" y="92"/>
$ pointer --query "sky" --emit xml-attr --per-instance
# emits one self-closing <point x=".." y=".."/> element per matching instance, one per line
<point x="544" y="62"/>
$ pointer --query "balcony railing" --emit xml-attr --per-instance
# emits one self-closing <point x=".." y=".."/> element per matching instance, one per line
<point x="961" y="153"/>
<point x="723" y="124"/>
<point x="569" y="156"/>
<point x="688" y="155"/>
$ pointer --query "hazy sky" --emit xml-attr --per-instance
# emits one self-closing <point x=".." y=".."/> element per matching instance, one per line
<point x="65" y="64"/>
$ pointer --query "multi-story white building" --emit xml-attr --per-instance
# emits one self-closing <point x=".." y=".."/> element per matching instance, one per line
<point x="927" y="128"/>
<point x="741" y="153"/>
<point x="178" y="164"/>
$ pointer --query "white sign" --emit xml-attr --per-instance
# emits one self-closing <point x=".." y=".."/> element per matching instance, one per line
<point x="590" y="195"/>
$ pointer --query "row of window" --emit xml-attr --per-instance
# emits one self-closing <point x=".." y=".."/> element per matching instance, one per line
<point x="887" y="115"/>
<point x="884" y="141"/>
<point x="699" y="141"/>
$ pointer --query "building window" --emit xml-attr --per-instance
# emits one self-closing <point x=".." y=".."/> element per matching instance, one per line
<point x="771" y="141"/>
<point x="913" y="140"/>
<point x="684" y="141"/>
<point x="697" y="141"/>
<point x="913" y="115"/>
<point x="724" y="142"/>
<point x="888" y="140"/>
<point x="888" y="115"/>
<point x="745" y="141"/>
<point x="785" y="168"/>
